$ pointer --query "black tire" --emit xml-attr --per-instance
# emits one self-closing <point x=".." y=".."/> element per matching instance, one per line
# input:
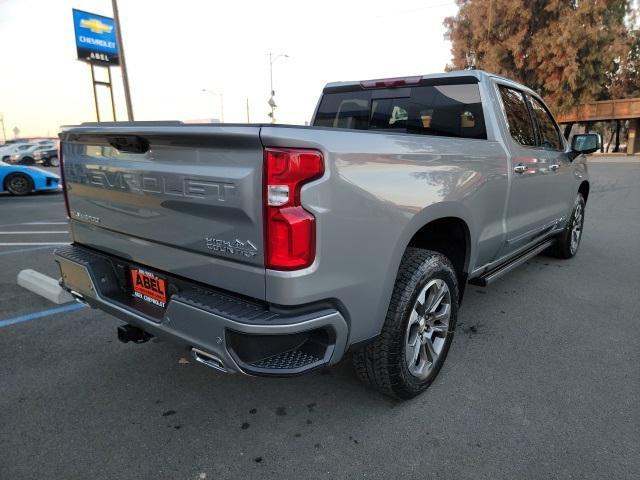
<point x="383" y="363"/>
<point x="27" y="161"/>
<point x="18" y="184"/>
<point x="565" y="247"/>
<point x="53" y="162"/>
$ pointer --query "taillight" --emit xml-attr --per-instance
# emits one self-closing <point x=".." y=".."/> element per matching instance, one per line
<point x="64" y="183"/>
<point x="290" y="230"/>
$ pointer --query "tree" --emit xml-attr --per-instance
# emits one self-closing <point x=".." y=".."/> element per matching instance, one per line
<point x="627" y="82"/>
<point x="570" y="51"/>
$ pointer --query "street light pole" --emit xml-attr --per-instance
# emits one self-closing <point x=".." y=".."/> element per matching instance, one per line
<point x="221" y="98"/>
<point x="123" y="63"/>
<point x="272" y="102"/>
<point x="271" y="73"/>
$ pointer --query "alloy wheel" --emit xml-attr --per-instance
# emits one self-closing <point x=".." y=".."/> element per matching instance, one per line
<point x="19" y="185"/>
<point x="576" y="228"/>
<point x="427" y="328"/>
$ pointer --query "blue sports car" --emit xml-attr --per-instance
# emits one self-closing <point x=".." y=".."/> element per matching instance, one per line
<point x="21" y="179"/>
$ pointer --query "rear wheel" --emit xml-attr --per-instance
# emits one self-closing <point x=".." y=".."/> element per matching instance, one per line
<point x="27" y="161"/>
<point x="53" y="162"/>
<point x="18" y="184"/>
<point x="418" y="330"/>
<point x="568" y="241"/>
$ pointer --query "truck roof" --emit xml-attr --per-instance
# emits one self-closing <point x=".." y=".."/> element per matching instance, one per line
<point x="481" y="75"/>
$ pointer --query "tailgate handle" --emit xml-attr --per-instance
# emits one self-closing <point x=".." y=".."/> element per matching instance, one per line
<point x="129" y="143"/>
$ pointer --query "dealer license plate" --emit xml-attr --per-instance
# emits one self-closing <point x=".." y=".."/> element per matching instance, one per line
<point x="149" y="287"/>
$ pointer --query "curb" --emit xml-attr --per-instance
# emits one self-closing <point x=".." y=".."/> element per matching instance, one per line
<point x="44" y="286"/>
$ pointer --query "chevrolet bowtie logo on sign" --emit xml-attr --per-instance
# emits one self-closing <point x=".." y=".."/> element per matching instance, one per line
<point x="95" y="25"/>
<point x="95" y="38"/>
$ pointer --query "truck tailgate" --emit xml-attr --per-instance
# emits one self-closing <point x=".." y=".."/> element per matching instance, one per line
<point x="185" y="198"/>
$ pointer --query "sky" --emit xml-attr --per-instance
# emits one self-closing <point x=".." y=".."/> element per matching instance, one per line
<point x="174" y="50"/>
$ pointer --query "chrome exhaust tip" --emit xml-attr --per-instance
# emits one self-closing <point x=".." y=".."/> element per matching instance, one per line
<point x="78" y="297"/>
<point x="208" y="359"/>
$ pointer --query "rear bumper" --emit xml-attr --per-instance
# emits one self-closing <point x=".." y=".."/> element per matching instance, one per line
<point x="239" y="334"/>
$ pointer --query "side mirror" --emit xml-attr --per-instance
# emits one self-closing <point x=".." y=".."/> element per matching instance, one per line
<point x="584" y="143"/>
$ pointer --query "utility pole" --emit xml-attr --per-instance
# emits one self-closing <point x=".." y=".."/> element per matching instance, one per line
<point x="221" y="108"/>
<point x="220" y="97"/>
<point x="123" y="63"/>
<point x="4" y="133"/>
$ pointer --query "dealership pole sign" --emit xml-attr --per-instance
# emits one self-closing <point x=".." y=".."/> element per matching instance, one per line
<point x="95" y="38"/>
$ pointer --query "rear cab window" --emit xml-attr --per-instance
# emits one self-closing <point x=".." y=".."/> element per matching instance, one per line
<point x="451" y="110"/>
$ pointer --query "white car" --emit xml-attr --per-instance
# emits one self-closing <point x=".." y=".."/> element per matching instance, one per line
<point x="7" y="150"/>
<point x="24" y="155"/>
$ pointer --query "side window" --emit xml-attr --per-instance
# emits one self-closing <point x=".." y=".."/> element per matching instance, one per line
<point x="518" y="118"/>
<point x="549" y="133"/>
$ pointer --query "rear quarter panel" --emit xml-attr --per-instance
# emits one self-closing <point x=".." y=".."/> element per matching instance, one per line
<point x="377" y="192"/>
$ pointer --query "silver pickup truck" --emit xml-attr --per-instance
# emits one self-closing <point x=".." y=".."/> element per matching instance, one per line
<point x="274" y="249"/>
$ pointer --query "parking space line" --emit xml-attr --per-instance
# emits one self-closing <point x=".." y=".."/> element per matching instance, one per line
<point x="70" y="307"/>
<point x="23" y="244"/>
<point x="39" y="232"/>
<point x="21" y="250"/>
<point x="32" y="224"/>
<point x="43" y="223"/>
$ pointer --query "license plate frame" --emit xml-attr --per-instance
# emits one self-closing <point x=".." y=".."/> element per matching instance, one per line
<point x="148" y="286"/>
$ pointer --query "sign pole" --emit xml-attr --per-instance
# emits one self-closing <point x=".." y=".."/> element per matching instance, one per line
<point x="95" y="93"/>
<point x="123" y="63"/>
<point x="113" y="104"/>
<point x="106" y="84"/>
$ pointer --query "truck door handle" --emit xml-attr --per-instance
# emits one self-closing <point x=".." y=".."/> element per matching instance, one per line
<point x="520" y="168"/>
<point x="554" y="167"/>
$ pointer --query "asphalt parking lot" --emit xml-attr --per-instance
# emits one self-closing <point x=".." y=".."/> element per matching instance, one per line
<point x="543" y="380"/>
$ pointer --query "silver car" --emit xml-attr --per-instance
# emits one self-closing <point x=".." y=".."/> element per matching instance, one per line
<point x="26" y="154"/>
